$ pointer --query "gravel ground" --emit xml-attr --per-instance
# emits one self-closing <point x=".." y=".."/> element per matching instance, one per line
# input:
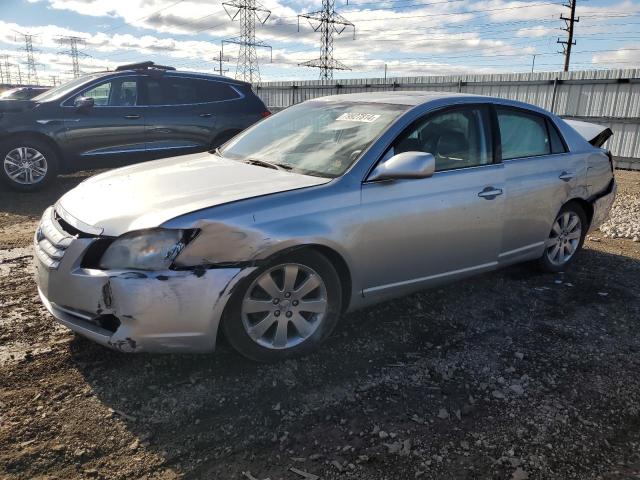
<point x="510" y="375"/>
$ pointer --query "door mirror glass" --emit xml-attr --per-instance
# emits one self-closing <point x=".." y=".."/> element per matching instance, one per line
<point x="405" y="165"/>
<point x="83" y="103"/>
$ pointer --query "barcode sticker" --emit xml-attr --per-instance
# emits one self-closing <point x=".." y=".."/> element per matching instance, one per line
<point x="358" y="117"/>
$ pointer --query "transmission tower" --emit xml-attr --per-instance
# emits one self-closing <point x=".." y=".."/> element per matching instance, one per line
<point x="249" y="11"/>
<point x="32" y="72"/>
<point x="327" y="21"/>
<point x="7" y="69"/>
<point x="569" y="42"/>
<point x="73" y="52"/>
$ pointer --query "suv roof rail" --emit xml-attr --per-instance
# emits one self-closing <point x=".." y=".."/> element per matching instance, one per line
<point x="142" y="66"/>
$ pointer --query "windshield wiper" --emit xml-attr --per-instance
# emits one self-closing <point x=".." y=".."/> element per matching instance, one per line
<point x="263" y="163"/>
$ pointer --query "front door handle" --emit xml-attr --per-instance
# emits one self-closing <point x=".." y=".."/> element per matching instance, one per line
<point x="206" y="115"/>
<point x="566" y="176"/>
<point x="132" y="117"/>
<point x="490" y="193"/>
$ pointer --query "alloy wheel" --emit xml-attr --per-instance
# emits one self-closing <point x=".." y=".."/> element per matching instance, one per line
<point x="564" y="238"/>
<point x="284" y="306"/>
<point x="25" y="165"/>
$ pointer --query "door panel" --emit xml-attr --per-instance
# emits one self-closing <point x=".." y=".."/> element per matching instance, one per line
<point x="109" y="131"/>
<point x="540" y="177"/>
<point x="431" y="230"/>
<point x="422" y="232"/>
<point x="177" y="118"/>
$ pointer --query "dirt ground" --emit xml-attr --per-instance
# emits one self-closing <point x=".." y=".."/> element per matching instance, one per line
<point x="509" y="375"/>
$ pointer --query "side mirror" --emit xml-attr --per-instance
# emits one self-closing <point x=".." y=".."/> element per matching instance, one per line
<point x="405" y="165"/>
<point x="83" y="103"/>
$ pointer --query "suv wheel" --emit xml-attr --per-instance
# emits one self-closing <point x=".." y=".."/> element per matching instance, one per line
<point x="27" y="164"/>
<point x="285" y="309"/>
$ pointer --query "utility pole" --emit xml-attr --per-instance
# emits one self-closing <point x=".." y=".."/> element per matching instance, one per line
<point x="54" y="80"/>
<point x="220" y="60"/>
<point x="249" y="11"/>
<point x="533" y="62"/>
<point x="569" y="42"/>
<point x="326" y="21"/>
<point x="32" y="73"/>
<point x="19" y="75"/>
<point x="385" y="73"/>
<point x="73" y="52"/>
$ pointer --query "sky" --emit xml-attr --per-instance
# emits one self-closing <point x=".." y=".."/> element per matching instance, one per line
<point x="410" y="37"/>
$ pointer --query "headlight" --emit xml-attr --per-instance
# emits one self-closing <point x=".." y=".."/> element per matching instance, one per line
<point x="153" y="249"/>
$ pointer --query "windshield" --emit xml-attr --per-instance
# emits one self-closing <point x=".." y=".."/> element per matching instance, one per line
<point x="316" y="137"/>
<point x="61" y="90"/>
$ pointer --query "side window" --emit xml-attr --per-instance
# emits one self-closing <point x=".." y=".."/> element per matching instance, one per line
<point x="179" y="91"/>
<point x="119" y="92"/>
<point x="557" y="145"/>
<point x="211" y="91"/>
<point x="154" y="92"/>
<point x="100" y="94"/>
<point x="522" y="134"/>
<point x="457" y="139"/>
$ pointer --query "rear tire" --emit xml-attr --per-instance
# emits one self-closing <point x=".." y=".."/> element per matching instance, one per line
<point x="28" y="164"/>
<point x="284" y="309"/>
<point x="565" y="239"/>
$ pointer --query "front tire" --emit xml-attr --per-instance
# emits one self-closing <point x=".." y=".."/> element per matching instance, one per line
<point x="28" y="164"/>
<point x="284" y="309"/>
<point x="565" y="239"/>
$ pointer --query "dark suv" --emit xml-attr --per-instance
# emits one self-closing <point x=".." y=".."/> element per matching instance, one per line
<point x="139" y="112"/>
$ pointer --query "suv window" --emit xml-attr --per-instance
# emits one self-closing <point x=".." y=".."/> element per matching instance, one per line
<point x="186" y="91"/>
<point x="522" y="134"/>
<point x="212" y="91"/>
<point x="456" y="138"/>
<point x="117" y="92"/>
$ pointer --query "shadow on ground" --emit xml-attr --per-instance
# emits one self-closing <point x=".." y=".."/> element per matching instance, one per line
<point x="510" y="370"/>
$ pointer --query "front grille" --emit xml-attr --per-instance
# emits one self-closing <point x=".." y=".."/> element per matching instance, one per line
<point x="51" y="241"/>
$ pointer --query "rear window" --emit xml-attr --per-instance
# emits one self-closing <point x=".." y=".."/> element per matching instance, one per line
<point x="212" y="91"/>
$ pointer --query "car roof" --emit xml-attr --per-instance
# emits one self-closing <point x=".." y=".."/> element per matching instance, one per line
<point x="415" y="98"/>
<point x="175" y="73"/>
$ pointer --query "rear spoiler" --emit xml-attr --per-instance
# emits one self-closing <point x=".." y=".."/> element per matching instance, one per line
<point x="596" y="135"/>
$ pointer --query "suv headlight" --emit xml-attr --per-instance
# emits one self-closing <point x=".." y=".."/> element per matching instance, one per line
<point x="153" y="249"/>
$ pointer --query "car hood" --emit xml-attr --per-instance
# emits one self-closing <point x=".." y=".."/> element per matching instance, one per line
<point x="148" y="194"/>
<point x="11" y="105"/>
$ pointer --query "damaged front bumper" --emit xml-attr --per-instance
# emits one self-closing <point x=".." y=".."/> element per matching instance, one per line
<point x="167" y="311"/>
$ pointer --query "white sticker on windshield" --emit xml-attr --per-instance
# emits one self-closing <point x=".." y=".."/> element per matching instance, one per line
<point x="358" y="117"/>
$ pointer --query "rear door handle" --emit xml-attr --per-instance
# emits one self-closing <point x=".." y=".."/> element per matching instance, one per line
<point x="206" y="115"/>
<point x="132" y="117"/>
<point x="490" y="193"/>
<point x="566" y="176"/>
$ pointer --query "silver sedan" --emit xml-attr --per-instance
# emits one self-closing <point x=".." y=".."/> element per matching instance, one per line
<point x="328" y="206"/>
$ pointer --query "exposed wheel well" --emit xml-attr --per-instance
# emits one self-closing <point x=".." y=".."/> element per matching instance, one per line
<point x="586" y="206"/>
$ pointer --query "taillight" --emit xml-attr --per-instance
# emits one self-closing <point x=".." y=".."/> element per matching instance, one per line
<point x="266" y="113"/>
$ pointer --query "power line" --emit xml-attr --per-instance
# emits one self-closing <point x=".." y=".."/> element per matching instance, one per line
<point x="327" y="21"/>
<point x="249" y="11"/>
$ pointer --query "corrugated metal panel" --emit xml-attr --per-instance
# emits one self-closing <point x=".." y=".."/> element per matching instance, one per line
<point x="610" y="96"/>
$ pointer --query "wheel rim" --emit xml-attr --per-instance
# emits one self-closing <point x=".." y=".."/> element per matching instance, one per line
<point x="25" y="165"/>
<point x="564" y="238"/>
<point x="284" y="306"/>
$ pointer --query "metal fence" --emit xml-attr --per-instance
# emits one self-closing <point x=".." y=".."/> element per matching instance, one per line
<point x="607" y="97"/>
